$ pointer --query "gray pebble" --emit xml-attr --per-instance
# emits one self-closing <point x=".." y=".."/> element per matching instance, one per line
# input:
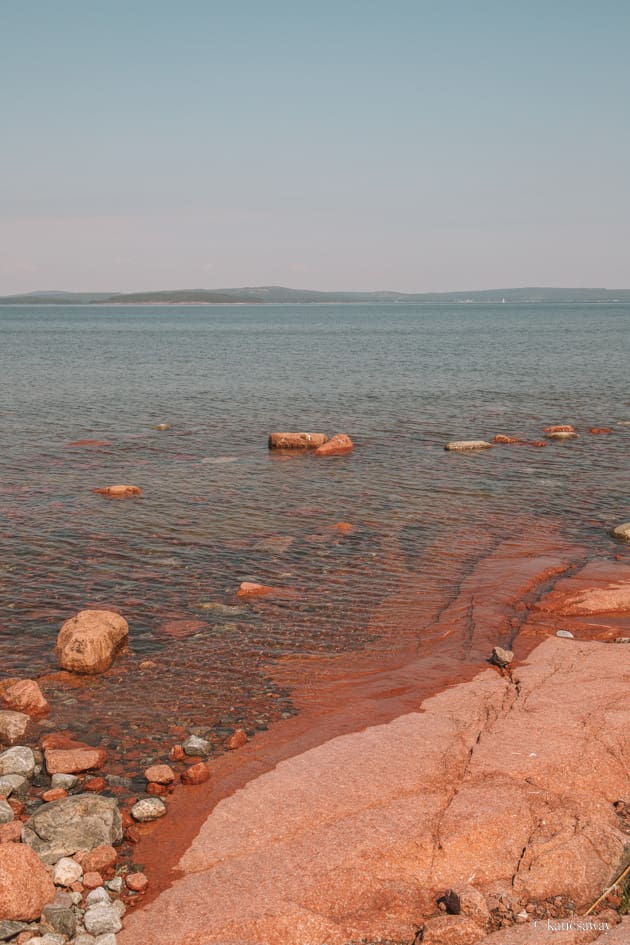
<point x="565" y="633"/>
<point x="99" y="894"/>
<point x="102" y="918"/>
<point x="17" y="760"/>
<point x="6" y="812"/>
<point x="196" y="746"/>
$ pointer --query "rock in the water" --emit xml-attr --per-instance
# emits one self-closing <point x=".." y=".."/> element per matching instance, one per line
<point x="102" y="918"/>
<point x="17" y="760"/>
<point x="75" y="823"/>
<point x="71" y="760"/>
<point x="339" y="444"/>
<point x="12" y="784"/>
<point x="501" y="657"/>
<point x="502" y="438"/>
<point x="251" y="589"/>
<point x="559" y="428"/>
<point x="463" y="445"/>
<point x="296" y="441"/>
<point x="562" y="435"/>
<point x="6" y="812"/>
<point x="160" y="774"/>
<point x="149" y="808"/>
<point x="23" y="695"/>
<point x="621" y="531"/>
<point x="25" y="886"/>
<point x="601" y="431"/>
<point x="13" y="726"/>
<point x="162" y="426"/>
<point x="119" y="492"/>
<point x="564" y="633"/>
<point x="196" y="746"/>
<point x="88" y="642"/>
<point x="66" y="872"/>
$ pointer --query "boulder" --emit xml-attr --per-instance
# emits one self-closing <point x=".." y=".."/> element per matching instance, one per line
<point x="296" y="441"/>
<point x="23" y="695"/>
<point x="26" y="886"/>
<point x="621" y="531"/>
<point x="72" y="760"/>
<point x="74" y="823"/>
<point x="119" y="492"/>
<point x="460" y="446"/>
<point x="13" y="726"/>
<point x="88" y="642"/>
<point x="17" y="760"/>
<point x="336" y="446"/>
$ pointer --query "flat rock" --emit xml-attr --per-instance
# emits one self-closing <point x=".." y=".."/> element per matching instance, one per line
<point x="462" y="445"/>
<point x="26" y="886"/>
<point x="72" y="760"/>
<point x="10" y="929"/>
<point x="89" y="641"/>
<point x="149" y="808"/>
<point x="337" y="445"/>
<point x="160" y="774"/>
<point x="17" y="760"/>
<point x="343" y="843"/>
<point x="296" y="441"/>
<point x="13" y="726"/>
<point x="23" y="695"/>
<point x="83" y="822"/>
<point x="119" y="491"/>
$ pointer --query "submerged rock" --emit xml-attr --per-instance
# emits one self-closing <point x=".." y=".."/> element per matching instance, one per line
<point x="559" y="428"/>
<point x="296" y="441"/>
<point x="119" y="491"/>
<point x="88" y="642"/>
<point x="26" y="886"/>
<point x="340" y="443"/>
<point x="23" y="695"/>
<point x="74" y="760"/>
<point x="462" y="445"/>
<point x="13" y="726"/>
<point x="501" y="438"/>
<point x="562" y="435"/>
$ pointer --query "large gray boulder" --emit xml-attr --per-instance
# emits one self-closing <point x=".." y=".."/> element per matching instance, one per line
<point x="17" y="760"/>
<point x="63" y="827"/>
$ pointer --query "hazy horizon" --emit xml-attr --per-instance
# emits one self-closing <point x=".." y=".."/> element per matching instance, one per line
<point x="394" y="147"/>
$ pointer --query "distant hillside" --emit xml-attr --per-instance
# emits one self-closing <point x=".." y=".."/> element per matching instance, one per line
<point x="279" y="295"/>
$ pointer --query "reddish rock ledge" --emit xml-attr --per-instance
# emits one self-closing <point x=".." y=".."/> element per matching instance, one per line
<point x="339" y="444"/>
<point x="296" y="441"/>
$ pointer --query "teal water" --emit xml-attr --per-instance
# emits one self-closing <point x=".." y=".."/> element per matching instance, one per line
<point x="217" y="508"/>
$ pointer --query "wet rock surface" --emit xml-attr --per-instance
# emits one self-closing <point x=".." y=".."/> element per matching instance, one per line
<point x="88" y="642"/>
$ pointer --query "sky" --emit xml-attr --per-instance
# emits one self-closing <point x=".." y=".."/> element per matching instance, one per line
<point x="415" y="146"/>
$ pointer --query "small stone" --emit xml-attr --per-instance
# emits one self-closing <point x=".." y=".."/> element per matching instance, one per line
<point x="92" y="880"/>
<point x="102" y="918"/>
<point x="150" y="808"/>
<point x="108" y="939"/>
<point x="61" y="920"/>
<point x="237" y="740"/>
<point x="9" y="929"/>
<point x="501" y="657"/>
<point x="120" y="907"/>
<point x="196" y="774"/>
<point x="65" y="781"/>
<point x="12" y="832"/>
<point x="12" y="784"/>
<point x="195" y="746"/>
<point x="559" y="428"/>
<point x="565" y="633"/>
<point x="84" y="939"/>
<point x="466" y="900"/>
<point x="94" y="785"/>
<point x="621" y="531"/>
<point x="115" y="885"/>
<point x="17" y="760"/>
<point x="66" y="872"/>
<point x="6" y="812"/>
<point x="13" y="726"/>
<point x="162" y="426"/>
<point x="463" y="445"/>
<point x="99" y="894"/>
<point x="98" y="860"/>
<point x="177" y="753"/>
<point x="54" y="794"/>
<point x="562" y="435"/>
<point x="71" y="760"/>
<point x="137" y="882"/>
<point x="160" y="774"/>
<point x="157" y="790"/>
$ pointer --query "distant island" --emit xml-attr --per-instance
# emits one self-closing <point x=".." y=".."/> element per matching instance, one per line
<point x="279" y="295"/>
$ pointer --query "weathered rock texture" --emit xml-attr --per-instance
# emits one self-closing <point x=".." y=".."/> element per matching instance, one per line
<point x="495" y="783"/>
<point x="23" y="695"/>
<point x="25" y="886"/>
<point x="296" y="441"/>
<point x="61" y="828"/>
<point x="88" y="642"/>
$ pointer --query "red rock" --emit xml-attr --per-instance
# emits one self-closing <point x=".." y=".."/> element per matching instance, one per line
<point x="95" y="785"/>
<point x="157" y="790"/>
<point x="451" y="930"/>
<point x="161" y="774"/>
<point x="74" y="760"/>
<point x="237" y="740"/>
<point x="177" y="753"/>
<point x="119" y="492"/>
<point x="16" y="806"/>
<point x="180" y="629"/>
<point x="133" y="834"/>
<point x="92" y="880"/>
<point x="77" y="887"/>
<point x="55" y="794"/>
<point x="137" y="882"/>
<point x="26" y="886"/>
<point x="249" y="589"/>
<point x="293" y="441"/>
<point x="88" y="642"/>
<point x="25" y="937"/>
<point x="23" y="695"/>
<point x="11" y="833"/>
<point x="99" y="860"/>
<point x="344" y="527"/>
<point x="89" y="443"/>
<point x="61" y="740"/>
<point x="559" y="428"/>
<point x="601" y="430"/>
<point x="539" y="443"/>
<point x="339" y="444"/>
<point x="196" y="774"/>
<point x="126" y="818"/>
<point x="501" y="438"/>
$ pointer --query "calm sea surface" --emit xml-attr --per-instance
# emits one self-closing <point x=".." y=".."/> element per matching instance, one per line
<point x="218" y="509"/>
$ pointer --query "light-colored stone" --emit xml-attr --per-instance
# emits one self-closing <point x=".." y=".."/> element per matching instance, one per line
<point x="66" y="872"/>
<point x="115" y="884"/>
<point x="562" y="435"/>
<point x="12" y="784"/>
<point x="108" y="939"/>
<point x="88" y="642"/>
<point x="17" y="760"/>
<point x="102" y="918"/>
<point x="501" y="657"/>
<point x="6" y="812"/>
<point x="13" y="726"/>
<point x="149" y="808"/>
<point x="196" y="746"/>
<point x="25" y="886"/>
<point x="64" y="781"/>
<point x="565" y="633"/>
<point x="463" y="445"/>
<point x="621" y="531"/>
<point x="99" y="894"/>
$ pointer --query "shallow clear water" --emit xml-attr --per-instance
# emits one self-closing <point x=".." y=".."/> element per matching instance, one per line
<point x="218" y="508"/>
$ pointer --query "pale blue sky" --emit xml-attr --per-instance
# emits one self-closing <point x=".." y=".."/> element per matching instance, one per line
<point x="360" y="145"/>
